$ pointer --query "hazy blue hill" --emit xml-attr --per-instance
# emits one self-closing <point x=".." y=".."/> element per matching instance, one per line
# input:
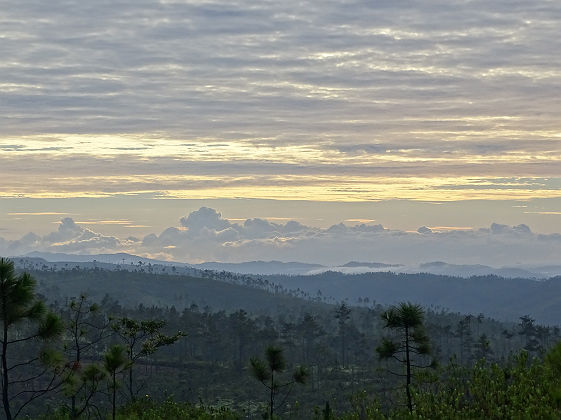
<point x="298" y="268"/>
<point x="250" y="267"/>
<point x="156" y="284"/>
<point x="118" y="258"/>
<point x="370" y="264"/>
<point x="260" y="267"/>
<point x="465" y="270"/>
<point x="131" y="288"/>
<point x="494" y="296"/>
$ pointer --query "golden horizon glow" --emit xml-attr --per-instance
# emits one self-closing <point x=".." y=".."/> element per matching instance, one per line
<point x="314" y="172"/>
<point x="311" y="189"/>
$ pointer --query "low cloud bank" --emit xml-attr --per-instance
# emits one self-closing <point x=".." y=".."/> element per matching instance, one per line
<point x="204" y="235"/>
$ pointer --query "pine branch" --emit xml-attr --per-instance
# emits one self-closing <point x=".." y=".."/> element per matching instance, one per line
<point x="23" y="364"/>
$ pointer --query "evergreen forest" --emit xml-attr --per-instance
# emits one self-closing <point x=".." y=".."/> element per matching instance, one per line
<point x="95" y="343"/>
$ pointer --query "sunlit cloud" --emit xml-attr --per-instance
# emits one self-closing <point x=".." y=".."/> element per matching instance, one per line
<point x="103" y="222"/>
<point x="205" y="235"/>
<point x="313" y="187"/>
<point x="449" y="228"/>
<point x="349" y="101"/>
<point x="38" y="213"/>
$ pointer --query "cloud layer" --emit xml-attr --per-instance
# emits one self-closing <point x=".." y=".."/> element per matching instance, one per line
<point x="204" y="235"/>
<point x="331" y="100"/>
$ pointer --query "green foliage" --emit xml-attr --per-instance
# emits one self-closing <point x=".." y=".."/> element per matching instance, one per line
<point x="18" y="296"/>
<point x="411" y="343"/>
<point x="141" y="339"/>
<point x="300" y="375"/>
<point x="93" y="373"/>
<point x="115" y="359"/>
<point x="521" y="389"/>
<point x="20" y="313"/>
<point x="146" y="409"/>
<point x="265" y="372"/>
<point x="51" y="327"/>
<point x="275" y="359"/>
<point x="406" y="315"/>
<point x="553" y="359"/>
<point x="51" y="358"/>
<point x="387" y="349"/>
<point x="259" y="369"/>
<point x="363" y="408"/>
<point x="205" y="367"/>
<point x="86" y="330"/>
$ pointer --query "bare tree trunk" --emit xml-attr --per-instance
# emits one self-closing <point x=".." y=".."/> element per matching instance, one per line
<point x="114" y="391"/>
<point x="5" y="395"/>
<point x="272" y="396"/>
<point x="131" y="391"/>
<point x="408" y="385"/>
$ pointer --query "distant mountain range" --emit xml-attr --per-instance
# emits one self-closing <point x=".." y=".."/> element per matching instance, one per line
<point x="119" y="258"/>
<point x="134" y="279"/>
<point x="298" y="268"/>
<point x="499" y="297"/>
<point x="261" y="267"/>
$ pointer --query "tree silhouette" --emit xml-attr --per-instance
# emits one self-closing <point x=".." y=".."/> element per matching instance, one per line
<point x="410" y="341"/>
<point x="483" y="347"/>
<point x="115" y="361"/>
<point x="343" y="314"/>
<point x="85" y="329"/>
<point x="529" y="331"/>
<point x="308" y="330"/>
<point x="243" y="327"/>
<point x="265" y="373"/>
<point x="141" y="339"/>
<point x="463" y="333"/>
<point x="19" y="305"/>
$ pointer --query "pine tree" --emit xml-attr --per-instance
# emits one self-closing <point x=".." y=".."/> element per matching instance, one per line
<point x="410" y="342"/>
<point x="343" y="314"/>
<point x="18" y="307"/>
<point x="141" y="339"/>
<point x="268" y="374"/>
<point x="115" y="361"/>
<point x="85" y="330"/>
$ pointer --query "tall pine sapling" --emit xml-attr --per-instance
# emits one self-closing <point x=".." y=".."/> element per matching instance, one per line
<point x="86" y="329"/>
<point x="115" y="361"/>
<point x="267" y="372"/>
<point x="141" y="339"/>
<point x="410" y="344"/>
<point x="343" y="314"/>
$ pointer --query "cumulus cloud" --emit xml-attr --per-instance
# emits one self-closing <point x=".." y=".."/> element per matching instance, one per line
<point x="70" y="237"/>
<point x="497" y="228"/>
<point x="259" y="239"/>
<point x="67" y="230"/>
<point x="204" y="235"/>
<point x="424" y="229"/>
<point x="204" y="218"/>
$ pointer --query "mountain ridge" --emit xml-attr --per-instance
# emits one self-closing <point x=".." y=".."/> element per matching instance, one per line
<point x="272" y="267"/>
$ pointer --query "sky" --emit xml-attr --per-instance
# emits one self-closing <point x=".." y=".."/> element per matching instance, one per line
<point x="119" y="119"/>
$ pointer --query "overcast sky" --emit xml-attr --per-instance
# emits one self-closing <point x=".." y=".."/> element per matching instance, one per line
<point x="316" y="111"/>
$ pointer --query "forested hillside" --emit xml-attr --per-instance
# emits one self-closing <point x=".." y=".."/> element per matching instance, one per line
<point x="199" y="349"/>
<point x="498" y="297"/>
